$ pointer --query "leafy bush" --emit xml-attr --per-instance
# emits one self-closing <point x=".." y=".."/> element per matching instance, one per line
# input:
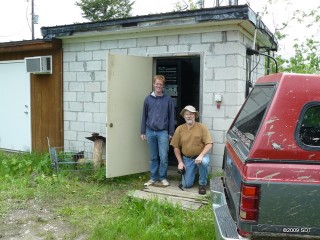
<point x="23" y="164"/>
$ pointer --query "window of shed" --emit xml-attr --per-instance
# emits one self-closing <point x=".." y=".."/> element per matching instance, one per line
<point x="309" y="132"/>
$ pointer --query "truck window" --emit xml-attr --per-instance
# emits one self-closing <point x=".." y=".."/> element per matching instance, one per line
<point x="309" y="132"/>
<point x="249" y="120"/>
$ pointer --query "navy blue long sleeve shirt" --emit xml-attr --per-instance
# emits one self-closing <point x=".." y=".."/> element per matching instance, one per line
<point x="158" y="113"/>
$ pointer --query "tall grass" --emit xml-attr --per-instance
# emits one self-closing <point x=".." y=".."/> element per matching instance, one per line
<point x="96" y="207"/>
<point x="141" y="219"/>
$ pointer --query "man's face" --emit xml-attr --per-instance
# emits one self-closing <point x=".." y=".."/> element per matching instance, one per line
<point x="158" y="85"/>
<point x="189" y="117"/>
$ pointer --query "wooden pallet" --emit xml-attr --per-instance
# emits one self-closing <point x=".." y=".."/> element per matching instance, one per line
<point x="187" y="199"/>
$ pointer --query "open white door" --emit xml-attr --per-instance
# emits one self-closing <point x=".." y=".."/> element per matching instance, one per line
<point x="129" y="81"/>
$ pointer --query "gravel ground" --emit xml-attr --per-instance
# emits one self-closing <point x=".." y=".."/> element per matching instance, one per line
<point x="32" y="221"/>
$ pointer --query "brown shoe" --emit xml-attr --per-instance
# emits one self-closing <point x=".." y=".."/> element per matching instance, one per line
<point x="202" y="190"/>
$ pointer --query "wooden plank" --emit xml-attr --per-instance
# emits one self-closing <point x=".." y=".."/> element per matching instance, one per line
<point x="184" y="203"/>
<point x="174" y="190"/>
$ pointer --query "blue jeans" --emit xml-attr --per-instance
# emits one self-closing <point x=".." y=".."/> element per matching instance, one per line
<point x="189" y="176"/>
<point x="158" y="142"/>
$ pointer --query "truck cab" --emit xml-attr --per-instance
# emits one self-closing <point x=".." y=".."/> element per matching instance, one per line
<point x="270" y="187"/>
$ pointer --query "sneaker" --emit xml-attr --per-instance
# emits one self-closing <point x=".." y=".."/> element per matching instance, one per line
<point x="202" y="190"/>
<point x="165" y="182"/>
<point x="149" y="183"/>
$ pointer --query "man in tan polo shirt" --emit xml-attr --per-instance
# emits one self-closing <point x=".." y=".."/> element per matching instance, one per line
<point x="192" y="142"/>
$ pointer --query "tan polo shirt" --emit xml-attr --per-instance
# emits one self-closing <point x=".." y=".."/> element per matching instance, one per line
<point x="191" y="141"/>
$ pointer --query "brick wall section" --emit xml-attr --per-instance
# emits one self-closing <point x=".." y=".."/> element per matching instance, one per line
<point x="223" y="72"/>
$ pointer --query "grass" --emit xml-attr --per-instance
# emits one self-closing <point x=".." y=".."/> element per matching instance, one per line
<point x="94" y="206"/>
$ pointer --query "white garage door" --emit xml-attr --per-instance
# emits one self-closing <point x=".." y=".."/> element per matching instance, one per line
<point x="15" y="114"/>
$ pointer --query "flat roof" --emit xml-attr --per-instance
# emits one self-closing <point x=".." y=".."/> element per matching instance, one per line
<point x="242" y="15"/>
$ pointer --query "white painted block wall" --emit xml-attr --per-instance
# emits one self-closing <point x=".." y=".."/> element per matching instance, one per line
<point x="223" y="72"/>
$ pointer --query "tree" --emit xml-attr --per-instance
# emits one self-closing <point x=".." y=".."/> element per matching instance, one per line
<point x="304" y="57"/>
<point x="183" y="5"/>
<point x="100" y="10"/>
<point x="305" y="60"/>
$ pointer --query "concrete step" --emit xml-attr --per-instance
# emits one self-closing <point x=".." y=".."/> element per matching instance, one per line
<point x="187" y="198"/>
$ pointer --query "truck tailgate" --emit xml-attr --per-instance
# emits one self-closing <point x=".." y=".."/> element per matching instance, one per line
<point x="289" y="197"/>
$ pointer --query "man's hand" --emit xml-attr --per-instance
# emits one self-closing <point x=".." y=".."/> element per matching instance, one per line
<point x="181" y="166"/>
<point x="198" y="160"/>
<point x="143" y="137"/>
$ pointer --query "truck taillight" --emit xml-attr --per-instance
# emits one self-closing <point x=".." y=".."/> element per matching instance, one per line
<point x="244" y="233"/>
<point x="249" y="202"/>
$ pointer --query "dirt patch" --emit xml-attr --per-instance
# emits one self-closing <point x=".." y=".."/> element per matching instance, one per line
<point x="31" y="220"/>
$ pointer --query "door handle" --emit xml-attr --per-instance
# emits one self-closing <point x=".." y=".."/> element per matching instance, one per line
<point x="111" y="125"/>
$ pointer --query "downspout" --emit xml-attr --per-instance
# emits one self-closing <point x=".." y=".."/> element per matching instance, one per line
<point x="248" y="81"/>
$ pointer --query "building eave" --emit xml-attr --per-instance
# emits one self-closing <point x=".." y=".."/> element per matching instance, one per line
<point x="240" y="14"/>
<point x="30" y="45"/>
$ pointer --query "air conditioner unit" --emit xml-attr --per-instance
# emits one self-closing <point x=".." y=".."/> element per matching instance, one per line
<point x="39" y="65"/>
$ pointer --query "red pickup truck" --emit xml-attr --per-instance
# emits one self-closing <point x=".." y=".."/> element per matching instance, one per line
<point x="270" y="188"/>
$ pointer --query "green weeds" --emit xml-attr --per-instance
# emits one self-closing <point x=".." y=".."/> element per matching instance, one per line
<point x="140" y="219"/>
<point x="22" y="164"/>
<point x="93" y="206"/>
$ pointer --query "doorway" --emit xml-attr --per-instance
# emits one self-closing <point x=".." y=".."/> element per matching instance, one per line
<point x="183" y="75"/>
<point x="182" y="84"/>
<point x="15" y="128"/>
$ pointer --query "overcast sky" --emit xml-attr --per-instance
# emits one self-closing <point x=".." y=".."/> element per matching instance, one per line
<point x="15" y="15"/>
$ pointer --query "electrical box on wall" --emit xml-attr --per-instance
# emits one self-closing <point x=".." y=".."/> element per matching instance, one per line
<point x="218" y="98"/>
<point x="39" y="65"/>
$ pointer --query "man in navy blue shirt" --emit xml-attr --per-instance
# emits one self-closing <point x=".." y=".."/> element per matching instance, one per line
<point x="157" y="128"/>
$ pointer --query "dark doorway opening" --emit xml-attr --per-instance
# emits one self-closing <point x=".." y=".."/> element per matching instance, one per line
<point x="182" y="84"/>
